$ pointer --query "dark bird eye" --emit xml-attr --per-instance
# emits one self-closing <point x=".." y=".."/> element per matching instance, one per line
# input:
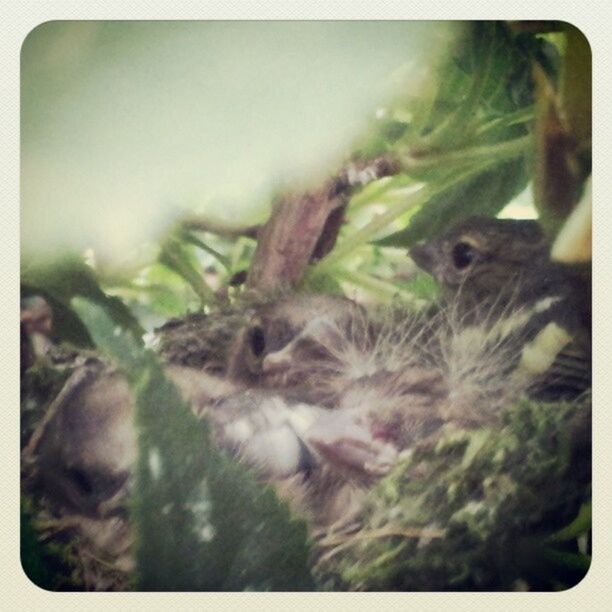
<point x="82" y="480"/>
<point x="463" y="255"/>
<point x="257" y="341"/>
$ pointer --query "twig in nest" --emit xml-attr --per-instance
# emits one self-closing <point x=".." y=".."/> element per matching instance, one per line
<point x="339" y="543"/>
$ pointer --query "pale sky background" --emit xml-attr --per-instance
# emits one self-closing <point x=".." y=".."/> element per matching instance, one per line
<point x="126" y="123"/>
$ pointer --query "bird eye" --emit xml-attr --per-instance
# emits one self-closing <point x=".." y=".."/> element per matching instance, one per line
<point x="257" y="341"/>
<point x="463" y="255"/>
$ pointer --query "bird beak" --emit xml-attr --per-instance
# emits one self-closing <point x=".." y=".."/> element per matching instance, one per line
<point x="344" y="440"/>
<point x="424" y="255"/>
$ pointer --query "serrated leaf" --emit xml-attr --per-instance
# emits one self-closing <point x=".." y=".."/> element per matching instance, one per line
<point x="203" y="522"/>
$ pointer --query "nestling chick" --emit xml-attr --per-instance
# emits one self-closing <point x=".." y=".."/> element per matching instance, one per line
<point x="499" y="278"/>
<point x="293" y="330"/>
<point x="84" y="449"/>
<point x="483" y="257"/>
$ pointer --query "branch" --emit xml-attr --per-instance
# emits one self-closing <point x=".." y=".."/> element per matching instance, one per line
<point x="304" y="227"/>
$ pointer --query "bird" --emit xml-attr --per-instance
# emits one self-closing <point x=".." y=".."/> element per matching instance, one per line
<point x="498" y="277"/>
<point x="318" y="395"/>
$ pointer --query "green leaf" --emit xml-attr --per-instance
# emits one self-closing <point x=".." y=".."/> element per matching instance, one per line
<point x="60" y="280"/>
<point x="176" y="257"/>
<point x="580" y="525"/>
<point x="572" y="561"/>
<point x="202" y="521"/>
<point x="424" y="286"/>
<point x="110" y="338"/>
<point x="485" y="194"/>
<point x="66" y="324"/>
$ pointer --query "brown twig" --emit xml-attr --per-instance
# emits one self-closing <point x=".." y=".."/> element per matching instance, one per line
<point x="304" y="227"/>
<point x="75" y="383"/>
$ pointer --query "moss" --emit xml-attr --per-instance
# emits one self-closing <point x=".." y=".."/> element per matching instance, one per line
<point x="477" y="511"/>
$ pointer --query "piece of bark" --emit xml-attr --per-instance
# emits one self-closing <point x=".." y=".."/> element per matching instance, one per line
<point x="304" y="227"/>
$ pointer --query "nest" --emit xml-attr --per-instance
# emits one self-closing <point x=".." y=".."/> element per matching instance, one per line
<point x="404" y="440"/>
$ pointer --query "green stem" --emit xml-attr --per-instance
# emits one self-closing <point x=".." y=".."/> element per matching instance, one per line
<point x="381" y="221"/>
<point x="496" y="153"/>
<point x="202" y="223"/>
<point x="376" y="285"/>
<point x="488" y="156"/>
<point x="379" y="189"/>
<point x="378" y="223"/>
<point x="224" y="261"/>
<point x="173" y="257"/>
<point x="522" y="115"/>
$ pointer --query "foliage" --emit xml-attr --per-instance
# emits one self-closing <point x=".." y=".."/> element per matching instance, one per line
<point x="58" y="282"/>
<point x="203" y="522"/>
<point x="465" y="147"/>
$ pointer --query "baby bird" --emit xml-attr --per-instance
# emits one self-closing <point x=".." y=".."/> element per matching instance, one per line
<point x="479" y="258"/>
<point x="498" y="278"/>
<point x="80" y="459"/>
<point x="279" y="330"/>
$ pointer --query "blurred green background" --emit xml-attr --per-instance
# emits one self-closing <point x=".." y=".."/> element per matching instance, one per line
<point x="125" y="124"/>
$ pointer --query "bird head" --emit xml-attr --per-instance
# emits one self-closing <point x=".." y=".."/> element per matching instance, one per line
<point x="296" y="335"/>
<point x="482" y="255"/>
